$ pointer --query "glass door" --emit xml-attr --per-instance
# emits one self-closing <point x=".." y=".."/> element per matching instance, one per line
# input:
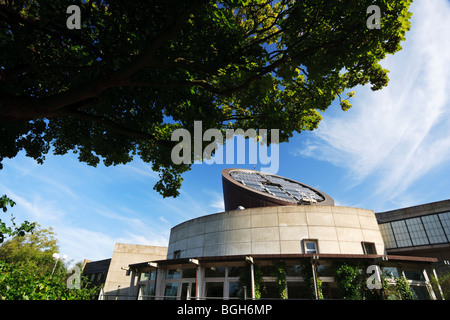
<point x="187" y="287"/>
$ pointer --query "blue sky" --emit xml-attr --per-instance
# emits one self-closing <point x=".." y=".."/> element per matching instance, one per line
<point x="391" y="150"/>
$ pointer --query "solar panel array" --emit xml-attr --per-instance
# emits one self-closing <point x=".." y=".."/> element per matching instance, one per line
<point x="276" y="186"/>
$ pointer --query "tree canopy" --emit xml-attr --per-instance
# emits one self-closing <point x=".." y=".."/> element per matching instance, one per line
<point x="29" y="272"/>
<point x="31" y="251"/>
<point x="135" y="71"/>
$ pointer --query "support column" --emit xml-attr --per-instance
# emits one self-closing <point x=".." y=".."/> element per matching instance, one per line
<point x="159" y="290"/>
<point x="428" y="284"/>
<point x="438" y="284"/>
<point x="252" y="276"/>
<point x="132" y="278"/>
<point x="199" y="282"/>
<point x="133" y="290"/>
<point x="314" y="272"/>
<point x="198" y="279"/>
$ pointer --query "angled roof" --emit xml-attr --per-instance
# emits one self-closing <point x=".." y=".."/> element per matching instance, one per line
<point x="250" y="189"/>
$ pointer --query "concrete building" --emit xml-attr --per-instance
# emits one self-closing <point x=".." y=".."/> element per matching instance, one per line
<point x="274" y="230"/>
<point x="115" y="272"/>
<point x="422" y="230"/>
<point x="96" y="271"/>
<point x="278" y="230"/>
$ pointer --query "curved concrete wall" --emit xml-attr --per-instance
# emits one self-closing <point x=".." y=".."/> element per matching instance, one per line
<point x="276" y="230"/>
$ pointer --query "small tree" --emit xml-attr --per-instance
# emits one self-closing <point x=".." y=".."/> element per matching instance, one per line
<point x="349" y="281"/>
<point x="21" y="284"/>
<point x="404" y="291"/>
<point x="280" y="273"/>
<point x="27" y="269"/>
<point x="396" y="288"/>
<point x="32" y="251"/>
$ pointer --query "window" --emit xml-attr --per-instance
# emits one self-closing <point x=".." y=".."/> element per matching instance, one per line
<point x="390" y="272"/>
<point x="388" y="235"/>
<point x="401" y="233"/>
<point x="268" y="271"/>
<point x="420" y="293"/>
<point x="142" y="292"/>
<point x="294" y="270"/>
<point x="214" y="272"/>
<point x="143" y="276"/>
<point x="310" y="246"/>
<point x="214" y="290"/>
<point x="298" y="290"/>
<point x="171" y="290"/>
<point x="369" y="248"/>
<point x="325" y="269"/>
<point x="177" y="254"/>
<point x="417" y="232"/>
<point x="270" y="290"/>
<point x="235" y="290"/>
<point x="173" y="273"/>
<point x="189" y="272"/>
<point x="414" y="275"/>
<point x="146" y="292"/>
<point x="236" y="271"/>
<point x="445" y="221"/>
<point x="184" y="290"/>
<point x="151" y="291"/>
<point x="235" y="287"/>
<point x="430" y="229"/>
<point x="434" y="229"/>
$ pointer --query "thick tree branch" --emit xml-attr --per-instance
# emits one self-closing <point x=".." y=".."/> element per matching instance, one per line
<point x="113" y="126"/>
<point x="176" y="84"/>
<point x="14" y="18"/>
<point x="186" y="64"/>
<point x="149" y="53"/>
<point x="15" y="108"/>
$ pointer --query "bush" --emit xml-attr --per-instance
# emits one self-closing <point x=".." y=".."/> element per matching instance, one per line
<point x="348" y="278"/>
<point x="20" y="284"/>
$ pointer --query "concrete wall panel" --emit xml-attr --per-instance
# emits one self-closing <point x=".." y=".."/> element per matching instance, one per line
<point x="278" y="229"/>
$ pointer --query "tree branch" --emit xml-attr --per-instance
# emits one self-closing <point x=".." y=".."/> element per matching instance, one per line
<point x="18" y="110"/>
<point x="186" y="64"/>
<point x="149" y="53"/>
<point x="113" y="126"/>
<point x="14" y="18"/>
<point x="175" y="84"/>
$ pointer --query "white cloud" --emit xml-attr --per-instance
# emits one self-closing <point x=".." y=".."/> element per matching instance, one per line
<point x="218" y="205"/>
<point x="216" y="200"/>
<point x="139" y="168"/>
<point x="89" y="209"/>
<point x="161" y="218"/>
<point x="397" y="135"/>
<point x="79" y="243"/>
